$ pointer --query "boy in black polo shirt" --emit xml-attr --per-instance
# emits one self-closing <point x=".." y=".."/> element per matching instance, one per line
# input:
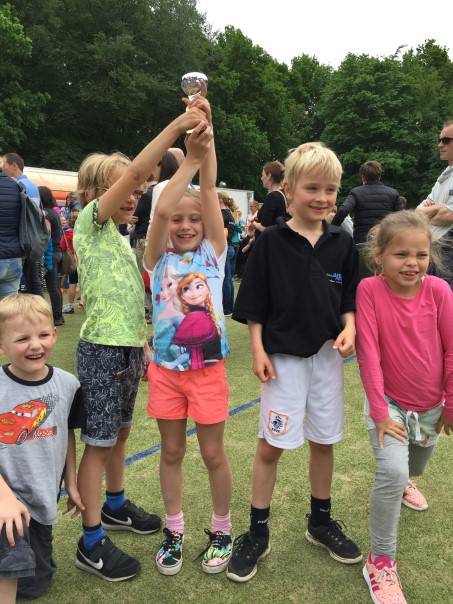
<point x="298" y="298"/>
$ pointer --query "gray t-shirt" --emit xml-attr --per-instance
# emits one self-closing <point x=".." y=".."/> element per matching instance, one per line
<point x="34" y="422"/>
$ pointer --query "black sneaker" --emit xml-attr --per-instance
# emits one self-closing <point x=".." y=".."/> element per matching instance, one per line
<point x="332" y="538"/>
<point x="106" y="561"/>
<point x="242" y="566"/>
<point x="169" y="556"/>
<point x="130" y="517"/>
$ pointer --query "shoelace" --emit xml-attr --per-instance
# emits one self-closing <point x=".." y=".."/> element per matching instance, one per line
<point x="215" y="539"/>
<point x="387" y="577"/>
<point x="336" y="530"/>
<point x="246" y="544"/>
<point x="172" y="542"/>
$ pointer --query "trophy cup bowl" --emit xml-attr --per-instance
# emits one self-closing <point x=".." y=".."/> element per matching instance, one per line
<point x="194" y="83"/>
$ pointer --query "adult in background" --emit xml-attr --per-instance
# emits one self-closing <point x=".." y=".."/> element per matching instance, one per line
<point x="10" y="248"/>
<point x="228" y="206"/>
<point x="254" y="206"/>
<point x="369" y="203"/>
<point x="438" y="206"/>
<point x="51" y="277"/>
<point x="72" y="203"/>
<point x="141" y="217"/>
<point x="13" y="165"/>
<point x="274" y="204"/>
<point x="169" y="164"/>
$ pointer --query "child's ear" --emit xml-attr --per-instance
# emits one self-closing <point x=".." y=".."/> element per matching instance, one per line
<point x="287" y="191"/>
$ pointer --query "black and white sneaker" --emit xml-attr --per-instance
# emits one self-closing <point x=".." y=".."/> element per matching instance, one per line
<point x="130" y="517"/>
<point x="106" y="561"/>
<point x="243" y="563"/>
<point x="333" y="539"/>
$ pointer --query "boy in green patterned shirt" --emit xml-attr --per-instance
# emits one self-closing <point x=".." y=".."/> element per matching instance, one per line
<point x="110" y="353"/>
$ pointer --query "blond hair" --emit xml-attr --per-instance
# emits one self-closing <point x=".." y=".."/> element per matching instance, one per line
<point x="394" y="225"/>
<point x="228" y="201"/>
<point x="94" y="174"/>
<point x="26" y="305"/>
<point x="73" y="217"/>
<point x="311" y="157"/>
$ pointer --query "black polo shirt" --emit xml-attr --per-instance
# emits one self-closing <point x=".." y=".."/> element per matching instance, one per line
<point x="297" y="292"/>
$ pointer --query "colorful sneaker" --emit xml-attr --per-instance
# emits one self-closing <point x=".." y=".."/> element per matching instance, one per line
<point x="130" y="517"/>
<point x="332" y="538"/>
<point x="106" y="561"/>
<point x="169" y="556"/>
<point x="413" y="499"/>
<point x="80" y="304"/>
<point x="243" y="562"/>
<point x="218" y="552"/>
<point x="383" y="581"/>
<point x="68" y="309"/>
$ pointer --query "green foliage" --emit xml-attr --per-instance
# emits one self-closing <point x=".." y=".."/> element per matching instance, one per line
<point x="20" y="106"/>
<point x="104" y="75"/>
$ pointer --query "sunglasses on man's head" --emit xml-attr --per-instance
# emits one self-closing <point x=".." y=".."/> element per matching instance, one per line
<point x="445" y="140"/>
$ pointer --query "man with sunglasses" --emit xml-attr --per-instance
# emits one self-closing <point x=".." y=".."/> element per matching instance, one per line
<point x="438" y="206"/>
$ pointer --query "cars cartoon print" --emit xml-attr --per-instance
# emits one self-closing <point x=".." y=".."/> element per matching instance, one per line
<point x="19" y="423"/>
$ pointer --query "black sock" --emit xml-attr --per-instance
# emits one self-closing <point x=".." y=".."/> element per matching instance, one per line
<point x="320" y="511"/>
<point x="258" y="521"/>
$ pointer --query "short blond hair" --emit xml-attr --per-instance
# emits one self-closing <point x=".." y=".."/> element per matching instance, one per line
<point x="27" y="305"/>
<point x="311" y="157"/>
<point x="94" y="174"/>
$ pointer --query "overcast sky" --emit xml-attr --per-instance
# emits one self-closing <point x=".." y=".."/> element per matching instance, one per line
<point x="330" y="29"/>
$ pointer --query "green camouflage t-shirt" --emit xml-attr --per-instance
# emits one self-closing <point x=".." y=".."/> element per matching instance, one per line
<point x="112" y="287"/>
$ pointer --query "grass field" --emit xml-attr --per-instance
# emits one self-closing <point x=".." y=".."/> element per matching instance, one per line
<point x="295" y="571"/>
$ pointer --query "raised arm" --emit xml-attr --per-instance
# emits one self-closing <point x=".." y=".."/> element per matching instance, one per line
<point x="137" y="172"/>
<point x="210" y="207"/>
<point x="197" y="144"/>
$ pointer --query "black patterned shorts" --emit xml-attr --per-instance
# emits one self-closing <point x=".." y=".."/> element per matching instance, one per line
<point x="109" y="376"/>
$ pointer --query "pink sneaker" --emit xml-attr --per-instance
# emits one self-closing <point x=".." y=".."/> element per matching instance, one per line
<point x="383" y="581"/>
<point x="413" y="498"/>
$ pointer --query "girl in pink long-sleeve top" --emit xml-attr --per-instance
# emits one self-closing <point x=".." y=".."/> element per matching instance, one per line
<point x="404" y="326"/>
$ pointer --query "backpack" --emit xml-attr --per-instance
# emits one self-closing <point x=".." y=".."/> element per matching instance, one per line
<point x="33" y="232"/>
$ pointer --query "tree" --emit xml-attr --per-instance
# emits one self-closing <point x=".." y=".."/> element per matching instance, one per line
<point x="20" y="106"/>
<point x="369" y="109"/>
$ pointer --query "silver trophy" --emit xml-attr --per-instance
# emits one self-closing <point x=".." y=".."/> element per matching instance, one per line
<point x="194" y="83"/>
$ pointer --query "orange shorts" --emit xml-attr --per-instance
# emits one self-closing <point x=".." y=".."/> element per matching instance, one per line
<point x="201" y="394"/>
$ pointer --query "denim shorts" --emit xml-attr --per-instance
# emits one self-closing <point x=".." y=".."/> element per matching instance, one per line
<point x="16" y="560"/>
<point x="109" y="376"/>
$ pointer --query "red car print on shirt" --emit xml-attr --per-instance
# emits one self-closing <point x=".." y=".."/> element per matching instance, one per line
<point x="19" y="423"/>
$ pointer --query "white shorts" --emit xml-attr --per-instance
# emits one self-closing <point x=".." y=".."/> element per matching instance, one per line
<point x="311" y="388"/>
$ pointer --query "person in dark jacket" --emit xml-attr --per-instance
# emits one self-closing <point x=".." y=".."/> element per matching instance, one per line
<point x="274" y="204"/>
<point x="51" y="276"/>
<point x="10" y="248"/>
<point x="369" y="203"/>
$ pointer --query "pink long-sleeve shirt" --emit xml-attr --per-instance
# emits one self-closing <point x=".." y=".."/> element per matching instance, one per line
<point x="405" y="346"/>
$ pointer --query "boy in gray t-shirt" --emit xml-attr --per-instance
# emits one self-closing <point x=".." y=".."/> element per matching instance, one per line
<point x="39" y="408"/>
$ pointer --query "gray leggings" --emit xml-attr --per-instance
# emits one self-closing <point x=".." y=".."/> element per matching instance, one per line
<point x="395" y="462"/>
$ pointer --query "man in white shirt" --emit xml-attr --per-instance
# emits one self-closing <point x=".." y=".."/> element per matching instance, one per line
<point x="438" y="206"/>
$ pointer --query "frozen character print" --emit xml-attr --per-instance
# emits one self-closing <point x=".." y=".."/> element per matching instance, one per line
<point x="199" y="331"/>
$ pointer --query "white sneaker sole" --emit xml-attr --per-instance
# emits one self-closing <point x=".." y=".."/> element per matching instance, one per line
<point x="335" y="556"/>
<point x="239" y="579"/>
<point x="413" y="507"/>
